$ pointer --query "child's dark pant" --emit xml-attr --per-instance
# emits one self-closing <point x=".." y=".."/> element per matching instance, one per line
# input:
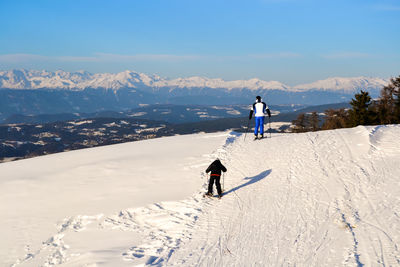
<point x="217" y="183"/>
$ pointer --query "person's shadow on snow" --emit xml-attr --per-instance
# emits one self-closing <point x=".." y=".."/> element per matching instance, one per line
<point x="252" y="180"/>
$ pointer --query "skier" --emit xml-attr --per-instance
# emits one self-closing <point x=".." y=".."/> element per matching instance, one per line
<point x="215" y="168"/>
<point x="260" y="109"/>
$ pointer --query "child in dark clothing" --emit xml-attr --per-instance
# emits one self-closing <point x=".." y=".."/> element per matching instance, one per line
<point x="215" y="168"/>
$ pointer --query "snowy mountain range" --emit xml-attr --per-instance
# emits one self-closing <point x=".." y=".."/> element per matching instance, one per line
<point x="33" y="79"/>
<point x="32" y="92"/>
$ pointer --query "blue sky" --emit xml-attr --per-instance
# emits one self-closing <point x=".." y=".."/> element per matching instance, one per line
<point x="292" y="41"/>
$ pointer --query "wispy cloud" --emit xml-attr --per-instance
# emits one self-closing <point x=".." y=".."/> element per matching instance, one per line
<point x="27" y="58"/>
<point x="386" y="7"/>
<point x="115" y="58"/>
<point x="277" y="1"/>
<point x="20" y="58"/>
<point x="74" y="59"/>
<point x="97" y="57"/>
<point x="276" y="55"/>
<point x="146" y="57"/>
<point x="346" y="55"/>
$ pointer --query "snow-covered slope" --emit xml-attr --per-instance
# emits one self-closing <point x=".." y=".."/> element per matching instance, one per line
<point x="49" y="202"/>
<point x="24" y="79"/>
<point x="328" y="198"/>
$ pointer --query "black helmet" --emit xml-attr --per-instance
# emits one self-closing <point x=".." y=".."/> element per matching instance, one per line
<point x="258" y="98"/>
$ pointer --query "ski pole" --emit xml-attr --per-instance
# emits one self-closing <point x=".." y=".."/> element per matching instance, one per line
<point x="223" y="182"/>
<point x="269" y="119"/>
<point x="247" y="129"/>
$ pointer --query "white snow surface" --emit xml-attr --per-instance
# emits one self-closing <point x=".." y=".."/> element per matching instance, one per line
<point x="328" y="198"/>
<point x="33" y="79"/>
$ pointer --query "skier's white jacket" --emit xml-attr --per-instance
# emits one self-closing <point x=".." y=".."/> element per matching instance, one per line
<point x="259" y="109"/>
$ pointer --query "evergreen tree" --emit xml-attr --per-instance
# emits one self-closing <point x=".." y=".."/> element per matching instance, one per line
<point x="306" y="122"/>
<point x="385" y="106"/>
<point x="396" y="92"/>
<point x="299" y="123"/>
<point x="314" y="121"/>
<point x="388" y="107"/>
<point x="360" y="114"/>
<point x="374" y="113"/>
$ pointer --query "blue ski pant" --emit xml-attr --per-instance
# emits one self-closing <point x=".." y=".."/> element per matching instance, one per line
<point x="259" y="124"/>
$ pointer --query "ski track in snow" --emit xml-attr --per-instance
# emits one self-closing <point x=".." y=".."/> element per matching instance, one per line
<point x="328" y="198"/>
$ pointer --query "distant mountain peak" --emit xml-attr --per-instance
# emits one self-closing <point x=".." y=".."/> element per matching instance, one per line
<point x="344" y="84"/>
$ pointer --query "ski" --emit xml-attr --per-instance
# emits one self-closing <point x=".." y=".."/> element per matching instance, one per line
<point x="212" y="196"/>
